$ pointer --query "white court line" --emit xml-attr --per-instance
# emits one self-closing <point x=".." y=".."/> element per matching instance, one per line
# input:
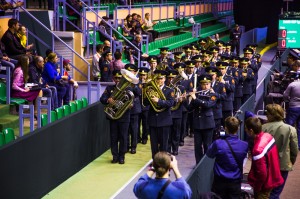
<point x="131" y="179"/>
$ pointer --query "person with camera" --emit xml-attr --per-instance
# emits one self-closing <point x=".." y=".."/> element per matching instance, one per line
<point x="230" y="153"/>
<point x="161" y="186"/>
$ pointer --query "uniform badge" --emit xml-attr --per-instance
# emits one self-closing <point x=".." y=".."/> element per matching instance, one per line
<point x="232" y="81"/>
<point x="172" y="94"/>
<point x="224" y="89"/>
<point x="140" y="86"/>
<point x="105" y="69"/>
<point x="191" y="84"/>
<point x="213" y="98"/>
<point x="252" y="73"/>
<point x="236" y="73"/>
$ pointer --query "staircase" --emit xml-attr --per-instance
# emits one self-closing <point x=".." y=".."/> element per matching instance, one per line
<point x="8" y="120"/>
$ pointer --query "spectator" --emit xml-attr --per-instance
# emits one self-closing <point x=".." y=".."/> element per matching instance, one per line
<point x="126" y="30"/>
<point x="53" y="78"/>
<point x="138" y="43"/>
<point x="20" y="80"/>
<point x="105" y="29"/>
<point x="12" y="44"/>
<point x="286" y="141"/>
<point x="264" y="174"/>
<point x="5" y="5"/>
<point x="35" y="76"/>
<point x="76" y="5"/>
<point x="230" y="153"/>
<point x="128" y="19"/>
<point x="95" y="62"/>
<point x="161" y="185"/>
<point x="22" y="34"/>
<point x="117" y="64"/>
<point x="5" y="60"/>
<point x="67" y="67"/>
<point x="105" y="67"/>
<point x="148" y="26"/>
<point x="235" y="37"/>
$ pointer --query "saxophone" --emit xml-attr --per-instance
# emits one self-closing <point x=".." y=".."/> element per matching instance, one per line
<point x="123" y="98"/>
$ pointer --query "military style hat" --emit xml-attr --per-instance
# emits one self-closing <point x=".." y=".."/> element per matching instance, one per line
<point x="204" y="78"/>
<point x="164" y="50"/>
<point x="105" y="53"/>
<point x="248" y="50"/>
<point x="172" y="73"/>
<point x="221" y="64"/>
<point x="194" y="46"/>
<point x="251" y="45"/>
<point x="234" y="59"/>
<point x="206" y="53"/>
<point x="228" y="45"/>
<point x="211" y="70"/>
<point x="144" y="70"/>
<point x="202" y="41"/>
<point x="214" y="49"/>
<point x="116" y="73"/>
<point x="244" y="60"/>
<point x="187" y="48"/>
<point x="152" y="58"/>
<point x="177" y="55"/>
<point x="197" y="58"/>
<point x="220" y="43"/>
<point x="160" y="73"/>
<point x="179" y="66"/>
<point x="190" y="64"/>
<point x="205" y="64"/>
<point x="131" y="67"/>
<point x="225" y="58"/>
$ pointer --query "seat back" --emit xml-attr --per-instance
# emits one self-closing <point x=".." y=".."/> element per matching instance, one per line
<point x="44" y="119"/>
<point x="53" y="116"/>
<point x="2" y="89"/>
<point x="60" y="112"/>
<point x="67" y="110"/>
<point x="2" y="139"/>
<point x="84" y="101"/>
<point x="79" y="104"/>
<point x="9" y="135"/>
<point x="73" y="107"/>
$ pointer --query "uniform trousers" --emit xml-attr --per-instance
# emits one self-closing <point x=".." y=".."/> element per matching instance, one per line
<point x="225" y="115"/>
<point x="216" y="133"/>
<point x="159" y="138"/>
<point x="143" y="117"/>
<point x="183" y="132"/>
<point x="118" y="139"/>
<point x="245" y="98"/>
<point x="174" y="135"/>
<point x="227" y="188"/>
<point x="202" y="140"/>
<point x="189" y="123"/>
<point x="133" y="130"/>
<point x="237" y="103"/>
<point x="293" y="118"/>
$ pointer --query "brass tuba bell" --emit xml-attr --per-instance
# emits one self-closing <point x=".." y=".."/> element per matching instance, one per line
<point x="122" y="98"/>
<point x="181" y="76"/>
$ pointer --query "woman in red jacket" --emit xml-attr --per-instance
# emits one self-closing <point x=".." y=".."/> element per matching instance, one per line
<point x="265" y="170"/>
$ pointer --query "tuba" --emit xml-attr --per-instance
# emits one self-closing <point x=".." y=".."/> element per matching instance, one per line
<point x="174" y="83"/>
<point x="210" y="43"/>
<point x="123" y="98"/>
<point x="152" y="90"/>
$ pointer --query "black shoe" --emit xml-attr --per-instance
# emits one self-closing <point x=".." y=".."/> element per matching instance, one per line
<point x="114" y="161"/>
<point x="133" y="151"/>
<point x="175" y="153"/>
<point x="121" y="161"/>
<point x="144" y="141"/>
<point x="181" y="143"/>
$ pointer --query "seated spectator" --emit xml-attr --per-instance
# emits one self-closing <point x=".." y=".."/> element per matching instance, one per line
<point x="53" y="78"/>
<point x="35" y="76"/>
<point x="20" y="80"/>
<point x="22" y="34"/>
<point x="104" y="30"/>
<point x="76" y="5"/>
<point x="128" y="19"/>
<point x="148" y="26"/>
<point x="152" y="188"/>
<point x="117" y="64"/>
<point x="4" y="5"/>
<point x="95" y="62"/>
<point x="4" y="59"/>
<point x="67" y="67"/>
<point x="12" y="44"/>
<point x="126" y="30"/>
<point x="230" y="153"/>
<point x="138" y="43"/>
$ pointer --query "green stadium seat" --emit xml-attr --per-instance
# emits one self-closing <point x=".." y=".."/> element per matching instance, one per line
<point x="61" y="13"/>
<point x="60" y="112"/>
<point x="79" y="104"/>
<point x="2" y="139"/>
<point x="84" y="102"/>
<point x="67" y="110"/>
<point x="73" y="107"/>
<point x="44" y="119"/>
<point x="15" y="101"/>
<point x="53" y="116"/>
<point x="9" y="135"/>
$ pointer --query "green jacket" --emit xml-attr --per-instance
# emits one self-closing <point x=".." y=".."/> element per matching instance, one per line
<point x="286" y="141"/>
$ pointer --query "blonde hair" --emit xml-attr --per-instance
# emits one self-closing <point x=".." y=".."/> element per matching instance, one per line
<point x="51" y="57"/>
<point x="274" y="112"/>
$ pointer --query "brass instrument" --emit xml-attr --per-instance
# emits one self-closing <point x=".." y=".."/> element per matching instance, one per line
<point x="123" y="98"/>
<point x="210" y="43"/>
<point x="174" y="83"/>
<point x="151" y="90"/>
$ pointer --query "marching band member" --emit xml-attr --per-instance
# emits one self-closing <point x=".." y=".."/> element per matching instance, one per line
<point x="238" y="77"/>
<point x="199" y="70"/>
<point x="248" y="76"/>
<point x="187" y="53"/>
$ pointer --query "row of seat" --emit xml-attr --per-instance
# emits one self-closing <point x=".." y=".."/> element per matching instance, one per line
<point x="14" y="101"/>
<point x="65" y="110"/>
<point x="198" y="19"/>
<point x="6" y="136"/>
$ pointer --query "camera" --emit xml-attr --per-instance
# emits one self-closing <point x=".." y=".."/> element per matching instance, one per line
<point x="222" y="131"/>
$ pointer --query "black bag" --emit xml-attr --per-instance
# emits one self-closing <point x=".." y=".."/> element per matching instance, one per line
<point x="62" y="82"/>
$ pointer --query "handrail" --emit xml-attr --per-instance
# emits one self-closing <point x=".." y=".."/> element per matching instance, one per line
<point x="54" y="36"/>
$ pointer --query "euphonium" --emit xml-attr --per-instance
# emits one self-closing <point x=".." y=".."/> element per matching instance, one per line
<point x="122" y="98"/>
<point x="151" y="90"/>
<point x="174" y="83"/>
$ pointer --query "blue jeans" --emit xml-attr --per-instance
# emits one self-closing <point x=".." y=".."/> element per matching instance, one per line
<point x="275" y="193"/>
<point x="293" y="118"/>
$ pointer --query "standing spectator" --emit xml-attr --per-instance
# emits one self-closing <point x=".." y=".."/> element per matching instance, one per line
<point x="264" y="174"/>
<point x="117" y="64"/>
<point x="105" y="67"/>
<point x="53" y="78"/>
<point x="22" y="34"/>
<point x="286" y="141"/>
<point x="230" y="153"/>
<point x="13" y="47"/>
<point x="161" y="186"/>
<point x="20" y="79"/>
<point x="95" y="62"/>
<point x="235" y="37"/>
<point x="67" y="68"/>
<point x="292" y="95"/>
